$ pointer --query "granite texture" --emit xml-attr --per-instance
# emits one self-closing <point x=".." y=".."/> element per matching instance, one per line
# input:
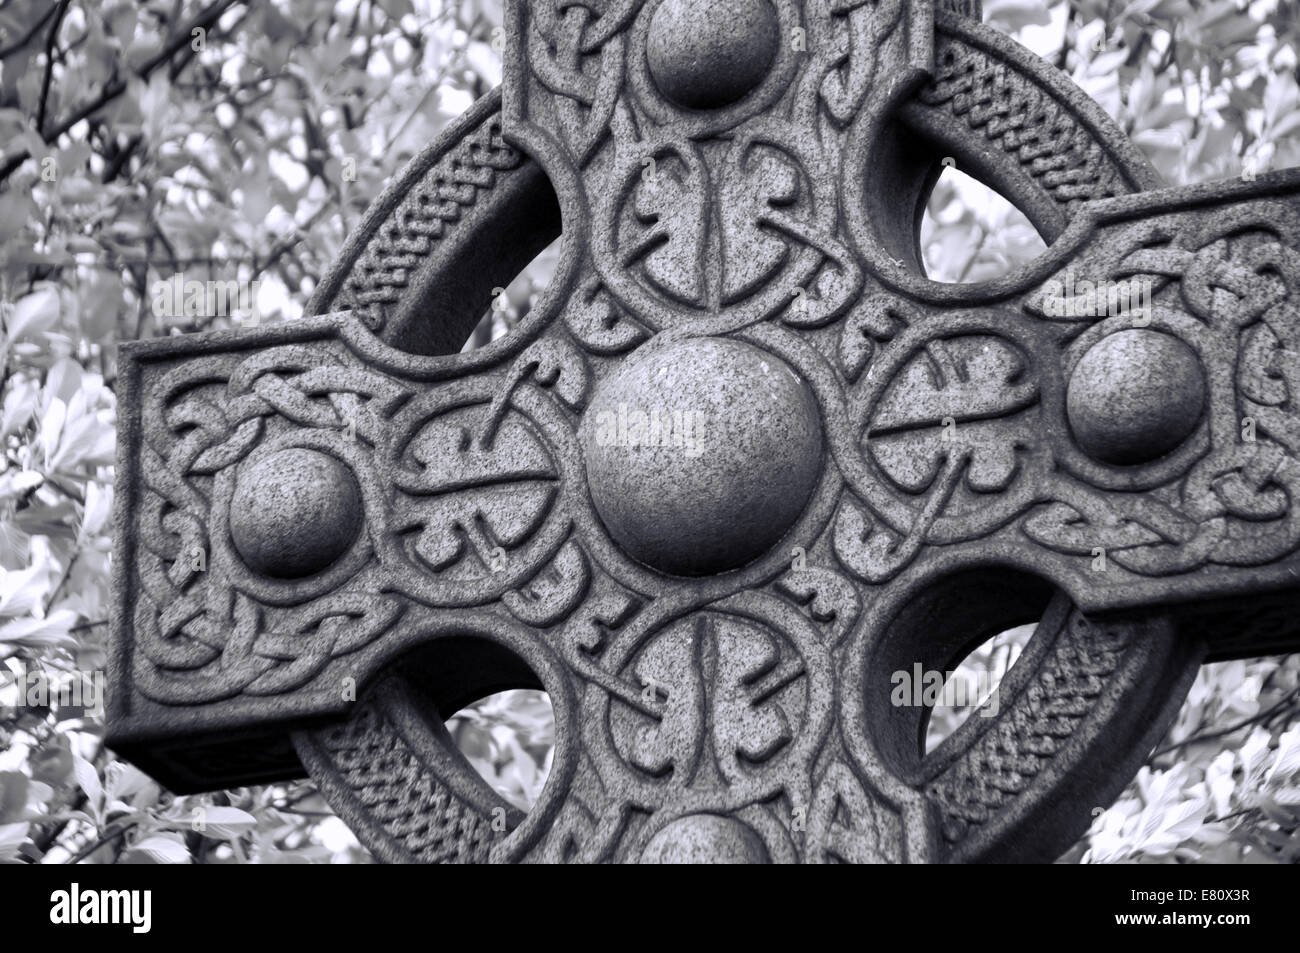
<point x="333" y="534"/>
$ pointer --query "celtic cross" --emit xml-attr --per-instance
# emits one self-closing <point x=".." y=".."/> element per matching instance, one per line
<point x="742" y="465"/>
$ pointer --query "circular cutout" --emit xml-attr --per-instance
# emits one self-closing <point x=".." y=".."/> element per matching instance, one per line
<point x="706" y="54"/>
<point x="701" y="454"/>
<point x="972" y="685"/>
<point x="512" y="302"/>
<point x="972" y="233"/>
<point x="1135" y="396"/>
<point x="508" y="738"/>
<point x="294" y="513"/>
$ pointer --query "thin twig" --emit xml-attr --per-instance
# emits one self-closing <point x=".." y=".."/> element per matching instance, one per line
<point x="27" y="37"/>
<point x="970" y="262"/>
<point x="49" y="66"/>
<point x="1063" y="54"/>
<point x="123" y="155"/>
<point x="204" y="20"/>
<point x="1287" y="699"/>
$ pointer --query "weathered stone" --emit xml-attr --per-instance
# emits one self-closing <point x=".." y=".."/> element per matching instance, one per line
<point x="1135" y="396"/>
<point x="704" y="54"/>
<point x="294" y="513"/>
<point x="705" y="839"/>
<point x="702" y="454"/>
<point x="892" y="469"/>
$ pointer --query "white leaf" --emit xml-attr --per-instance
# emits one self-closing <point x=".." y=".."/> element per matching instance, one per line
<point x="123" y="780"/>
<point x="20" y="404"/>
<point x="1287" y="760"/>
<point x="227" y="821"/>
<point x="62" y="383"/>
<point x="50" y="631"/>
<point x="1218" y="776"/>
<point x="160" y="849"/>
<point x="35" y="313"/>
<point x="51" y="428"/>
<point x="88" y="779"/>
<point x="21" y="590"/>
<point x="99" y="507"/>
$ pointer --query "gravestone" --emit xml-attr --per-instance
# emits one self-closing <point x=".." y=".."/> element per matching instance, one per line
<point x="742" y="474"/>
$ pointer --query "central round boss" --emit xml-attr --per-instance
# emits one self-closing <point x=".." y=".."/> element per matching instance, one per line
<point x="707" y="54"/>
<point x="701" y="454"/>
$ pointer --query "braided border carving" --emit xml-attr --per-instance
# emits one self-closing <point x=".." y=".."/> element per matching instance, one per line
<point x="424" y="217"/>
<point x="1020" y="119"/>
<point x="389" y="782"/>
<point x="1008" y="757"/>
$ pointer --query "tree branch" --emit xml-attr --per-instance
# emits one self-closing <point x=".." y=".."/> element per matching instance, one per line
<point x="120" y="158"/>
<point x="1288" y="699"/>
<point x="49" y="65"/>
<point x="27" y="37"/>
<point x="205" y="20"/>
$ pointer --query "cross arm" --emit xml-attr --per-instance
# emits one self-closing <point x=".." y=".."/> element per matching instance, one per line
<point x="299" y="505"/>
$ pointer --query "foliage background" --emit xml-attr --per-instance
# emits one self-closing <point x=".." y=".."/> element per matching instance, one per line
<point x="133" y="152"/>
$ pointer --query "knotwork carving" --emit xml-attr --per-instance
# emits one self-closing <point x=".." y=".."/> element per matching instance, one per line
<point x="742" y="464"/>
<point x="1231" y="298"/>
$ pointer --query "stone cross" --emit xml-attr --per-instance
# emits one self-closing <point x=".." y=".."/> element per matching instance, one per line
<point x="744" y="474"/>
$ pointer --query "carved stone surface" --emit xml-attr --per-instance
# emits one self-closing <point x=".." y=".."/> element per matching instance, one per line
<point x="294" y="513"/>
<point x="741" y="466"/>
<point x="700" y="454"/>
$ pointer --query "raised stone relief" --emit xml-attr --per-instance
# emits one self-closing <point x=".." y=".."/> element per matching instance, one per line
<point x="743" y="463"/>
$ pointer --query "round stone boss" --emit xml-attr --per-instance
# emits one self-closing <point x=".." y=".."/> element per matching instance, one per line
<point x="295" y="512"/>
<point x="706" y="54"/>
<point x="706" y="839"/>
<point x="702" y="454"/>
<point x="1135" y="396"/>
